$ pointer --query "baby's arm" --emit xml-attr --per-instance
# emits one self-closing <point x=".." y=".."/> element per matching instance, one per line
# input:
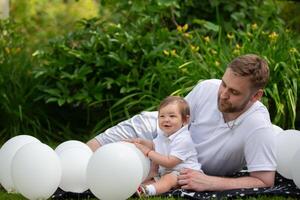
<point x="165" y="161"/>
<point x="147" y="143"/>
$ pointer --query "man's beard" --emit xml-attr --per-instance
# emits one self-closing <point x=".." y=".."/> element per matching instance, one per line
<point x="226" y="107"/>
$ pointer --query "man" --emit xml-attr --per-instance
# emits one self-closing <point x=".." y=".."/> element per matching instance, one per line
<point x="231" y="129"/>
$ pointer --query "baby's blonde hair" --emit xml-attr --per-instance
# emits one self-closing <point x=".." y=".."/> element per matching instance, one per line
<point x="182" y="103"/>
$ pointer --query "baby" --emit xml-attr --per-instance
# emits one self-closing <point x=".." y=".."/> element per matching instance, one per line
<point x="171" y="151"/>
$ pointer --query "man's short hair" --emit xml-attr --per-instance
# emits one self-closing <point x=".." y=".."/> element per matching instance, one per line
<point x="254" y="67"/>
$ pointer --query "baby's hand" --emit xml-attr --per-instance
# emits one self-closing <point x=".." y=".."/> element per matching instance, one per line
<point x="144" y="149"/>
<point x="134" y="140"/>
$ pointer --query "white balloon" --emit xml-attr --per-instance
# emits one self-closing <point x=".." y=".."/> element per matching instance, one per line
<point x="74" y="161"/>
<point x="295" y="168"/>
<point x="287" y="144"/>
<point x="71" y="143"/>
<point x="36" y="171"/>
<point x="8" y="150"/>
<point x="277" y="129"/>
<point x="145" y="161"/>
<point x="114" y="172"/>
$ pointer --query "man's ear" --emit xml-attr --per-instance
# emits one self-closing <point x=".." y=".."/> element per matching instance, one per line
<point x="258" y="95"/>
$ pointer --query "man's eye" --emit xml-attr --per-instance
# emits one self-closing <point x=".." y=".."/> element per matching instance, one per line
<point x="235" y="92"/>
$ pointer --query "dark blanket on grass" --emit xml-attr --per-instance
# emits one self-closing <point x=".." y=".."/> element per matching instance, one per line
<point x="283" y="187"/>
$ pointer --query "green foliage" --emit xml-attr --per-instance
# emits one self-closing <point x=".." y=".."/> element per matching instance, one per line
<point x="21" y="112"/>
<point x="43" y="19"/>
<point x="289" y="12"/>
<point x="114" y="70"/>
<point x="17" y="108"/>
<point x="112" y="67"/>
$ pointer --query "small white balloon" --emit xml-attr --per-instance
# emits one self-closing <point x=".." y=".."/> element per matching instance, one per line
<point x="8" y="151"/>
<point x="71" y="143"/>
<point x="287" y="144"/>
<point x="36" y="171"/>
<point x="145" y="161"/>
<point x="114" y="172"/>
<point x="295" y="168"/>
<point x="277" y="129"/>
<point x="74" y="160"/>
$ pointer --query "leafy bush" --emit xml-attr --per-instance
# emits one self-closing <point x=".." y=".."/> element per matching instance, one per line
<point x="126" y="61"/>
<point x="19" y="112"/>
<point x="115" y="71"/>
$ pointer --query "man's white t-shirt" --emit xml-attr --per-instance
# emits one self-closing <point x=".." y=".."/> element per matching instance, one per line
<point x="222" y="148"/>
<point x="179" y="145"/>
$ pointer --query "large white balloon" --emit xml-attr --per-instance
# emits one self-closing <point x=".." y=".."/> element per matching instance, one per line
<point x="74" y="160"/>
<point x="145" y="161"/>
<point x="0" y="168"/>
<point x="36" y="171"/>
<point x="114" y="172"/>
<point x="295" y="168"/>
<point x="8" y="150"/>
<point x="277" y="129"/>
<point x="287" y="144"/>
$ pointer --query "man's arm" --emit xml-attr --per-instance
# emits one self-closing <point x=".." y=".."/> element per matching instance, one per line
<point x="197" y="181"/>
<point x="93" y="144"/>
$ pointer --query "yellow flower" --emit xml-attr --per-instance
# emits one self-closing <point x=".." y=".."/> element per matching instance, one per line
<point x="7" y="50"/>
<point x="194" y="48"/>
<point x="237" y="46"/>
<point x="18" y="50"/>
<point x="187" y="35"/>
<point x="273" y="36"/>
<point x="236" y="51"/>
<point x="184" y="70"/>
<point x="207" y="39"/>
<point x="217" y="63"/>
<point x="254" y="26"/>
<point x="230" y="36"/>
<point x="179" y="29"/>
<point x="185" y="28"/>
<point x="166" y="52"/>
<point x="293" y="50"/>
<point x="213" y="51"/>
<point x="173" y="52"/>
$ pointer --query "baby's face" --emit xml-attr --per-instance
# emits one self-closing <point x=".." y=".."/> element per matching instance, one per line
<point x="170" y="119"/>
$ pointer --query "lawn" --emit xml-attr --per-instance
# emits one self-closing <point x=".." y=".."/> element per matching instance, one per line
<point x="6" y="196"/>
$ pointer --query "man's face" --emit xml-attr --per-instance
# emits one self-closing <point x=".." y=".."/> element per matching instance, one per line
<point x="235" y="94"/>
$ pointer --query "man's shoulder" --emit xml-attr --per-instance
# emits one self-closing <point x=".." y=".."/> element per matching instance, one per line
<point x="207" y="85"/>
<point x="210" y="82"/>
<point x="258" y="116"/>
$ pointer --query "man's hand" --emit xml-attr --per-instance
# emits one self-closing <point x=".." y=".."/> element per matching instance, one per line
<point x="198" y="181"/>
<point x="93" y="144"/>
<point x="194" y="180"/>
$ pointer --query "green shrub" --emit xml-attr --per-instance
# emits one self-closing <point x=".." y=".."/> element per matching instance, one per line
<point x="19" y="112"/>
<point x="113" y="67"/>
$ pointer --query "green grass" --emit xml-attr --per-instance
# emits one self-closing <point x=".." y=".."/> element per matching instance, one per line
<point x="5" y="196"/>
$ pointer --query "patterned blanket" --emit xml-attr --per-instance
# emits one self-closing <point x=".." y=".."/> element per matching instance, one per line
<point x="283" y="187"/>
